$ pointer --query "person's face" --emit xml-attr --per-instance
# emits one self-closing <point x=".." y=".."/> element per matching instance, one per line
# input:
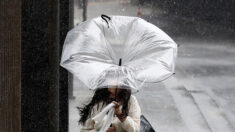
<point x="112" y="90"/>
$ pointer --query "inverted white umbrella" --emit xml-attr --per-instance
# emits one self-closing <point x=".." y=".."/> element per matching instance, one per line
<point x="118" y="50"/>
<point x="96" y="46"/>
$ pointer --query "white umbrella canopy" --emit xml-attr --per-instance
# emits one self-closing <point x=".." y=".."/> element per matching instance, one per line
<point x="118" y="50"/>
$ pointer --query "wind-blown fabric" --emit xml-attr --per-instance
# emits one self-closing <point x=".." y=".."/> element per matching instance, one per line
<point x="107" y="119"/>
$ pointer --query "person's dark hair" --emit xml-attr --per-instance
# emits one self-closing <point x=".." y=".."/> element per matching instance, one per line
<point x="102" y="95"/>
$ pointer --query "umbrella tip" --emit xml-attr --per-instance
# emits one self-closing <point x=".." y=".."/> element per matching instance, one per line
<point x="120" y="61"/>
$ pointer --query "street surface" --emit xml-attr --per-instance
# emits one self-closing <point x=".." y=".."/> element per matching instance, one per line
<point x="200" y="96"/>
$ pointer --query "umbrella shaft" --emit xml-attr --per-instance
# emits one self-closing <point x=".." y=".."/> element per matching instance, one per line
<point x="116" y="93"/>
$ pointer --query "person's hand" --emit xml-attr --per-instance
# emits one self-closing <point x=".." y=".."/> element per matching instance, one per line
<point x="118" y="112"/>
<point x="117" y="109"/>
<point x="111" y="129"/>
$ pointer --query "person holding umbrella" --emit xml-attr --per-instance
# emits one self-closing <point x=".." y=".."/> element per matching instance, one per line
<point x="127" y="111"/>
<point x="112" y="88"/>
<point x="115" y="56"/>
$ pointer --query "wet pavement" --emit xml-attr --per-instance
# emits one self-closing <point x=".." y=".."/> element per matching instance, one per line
<point x="200" y="97"/>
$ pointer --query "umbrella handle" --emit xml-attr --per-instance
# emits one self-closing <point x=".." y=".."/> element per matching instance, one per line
<point x="104" y="18"/>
